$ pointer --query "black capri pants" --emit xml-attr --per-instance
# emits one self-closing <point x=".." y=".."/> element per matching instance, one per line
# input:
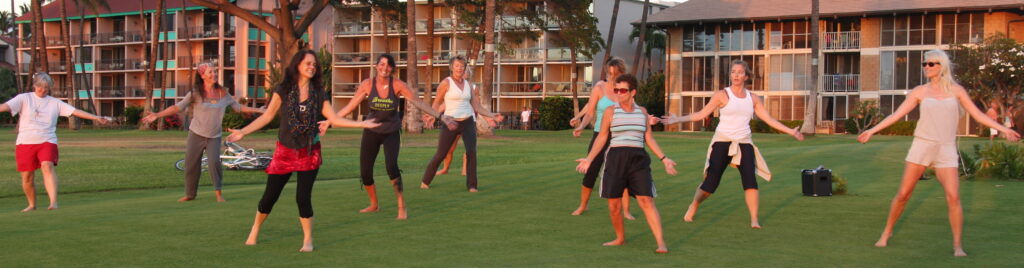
<point x="590" y="178"/>
<point x="303" y="193"/>
<point x="720" y="159"/>
<point x="370" y="147"/>
<point x="447" y="138"/>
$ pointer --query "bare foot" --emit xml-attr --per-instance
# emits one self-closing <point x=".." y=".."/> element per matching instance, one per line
<point x="220" y="196"/>
<point x="371" y="208"/>
<point x="690" y="212"/>
<point x="883" y="241"/>
<point x="628" y="216"/>
<point x="463" y="173"/>
<point x="959" y="252"/>
<point x="441" y="172"/>
<point x="579" y="211"/>
<point x="307" y="247"/>
<point x="53" y="206"/>
<point x="401" y="214"/>
<point x="252" y="239"/>
<point x="473" y="190"/>
<point x="661" y="250"/>
<point x="755" y="225"/>
<point x="616" y="242"/>
<point x="185" y="199"/>
<point x="424" y="186"/>
<point x="29" y="208"/>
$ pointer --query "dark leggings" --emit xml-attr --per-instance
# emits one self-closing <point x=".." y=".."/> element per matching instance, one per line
<point x="369" y="149"/>
<point x="720" y="159"/>
<point x="595" y="166"/>
<point x="276" y="182"/>
<point x="448" y="137"/>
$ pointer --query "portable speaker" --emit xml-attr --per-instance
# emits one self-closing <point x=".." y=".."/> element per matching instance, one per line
<point x="817" y="182"/>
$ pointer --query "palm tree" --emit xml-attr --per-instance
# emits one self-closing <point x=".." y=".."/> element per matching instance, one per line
<point x="93" y="5"/>
<point x="430" y="53"/>
<point x="611" y="36"/>
<point x="65" y="35"/>
<point x="656" y="39"/>
<point x="486" y="89"/>
<point x="413" y="124"/>
<point x="7" y="25"/>
<point x="37" y="20"/>
<point x="643" y="33"/>
<point x="810" y="113"/>
<point x="163" y="74"/>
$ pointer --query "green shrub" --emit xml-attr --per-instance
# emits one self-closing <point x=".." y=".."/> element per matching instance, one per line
<point x="555" y="113"/>
<point x="997" y="160"/>
<point x="714" y="124"/>
<point x="839" y="186"/>
<point x="900" y="128"/>
<point x="758" y="126"/>
<point x="132" y="114"/>
<point x="864" y="115"/>
<point x="651" y="96"/>
<point x="233" y="120"/>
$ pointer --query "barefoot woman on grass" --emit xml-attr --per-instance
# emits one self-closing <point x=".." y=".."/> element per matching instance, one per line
<point x="297" y="102"/>
<point x="934" y="145"/>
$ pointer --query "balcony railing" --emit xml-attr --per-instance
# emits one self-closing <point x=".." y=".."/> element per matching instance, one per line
<point x="346" y="28"/>
<point x="523" y="54"/>
<point x="52" y="41"/>
<point x="207" y="31"/>
<point x="119" y="64"/>
<point x="563" y="88"/>
<point x="520" y="88"/>
<point x="345" y="89"/>
<point x="210" y="58"/>
<point x="840" y="40"/>
<point x="87" y="38"/>
<point x="840" y="82"/>
<point x="445" y="24"/>
<point x="563" y="54"/>
<point x="353" y="58"/>
<point x="229" y="32"/>
<point x="57" y="66"/>
<point x="119" y="37"/>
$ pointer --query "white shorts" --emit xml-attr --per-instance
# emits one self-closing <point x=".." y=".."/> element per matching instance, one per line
<point x="934" y="154"/>
<point x="993" y="132"/>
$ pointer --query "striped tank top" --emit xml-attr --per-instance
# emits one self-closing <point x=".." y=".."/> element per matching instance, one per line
<point x="628" y="128"/>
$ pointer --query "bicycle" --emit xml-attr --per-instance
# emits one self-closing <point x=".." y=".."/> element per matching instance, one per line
<point x="236" y="157"/>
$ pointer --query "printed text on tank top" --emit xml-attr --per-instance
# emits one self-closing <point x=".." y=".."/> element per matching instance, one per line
<point x="386" y="103"/>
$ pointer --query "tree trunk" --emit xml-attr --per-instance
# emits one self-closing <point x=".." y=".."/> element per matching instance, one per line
<point x="811" y="111"/>
<point x="413" y="123"/>
<point x="17" y="55"/>
<point x="37" y="12"/>
<point x="81" y="45"/>
<point x="163" y="74"/>
<point x="259" y="43"/>
<point x="69" y="69"/>
<point x="643" y="36"/>
<point x="486" y="89"/>
<point x="384" y="27"/>
<point x="608" y="43"/>
<point x="190" y="62"/>
<point x="429" y="90"/>
<point x="573" y="78"/>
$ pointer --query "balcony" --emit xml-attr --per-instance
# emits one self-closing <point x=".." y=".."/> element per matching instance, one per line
<point x="52" y="41"/>
<point x="353" y="58"/>
<point x="86" y="39"/>
<point x="564" y="89"/>
<point x="229" y="32"/>
<point x="440" y="25"/>
<point x="563" y="54"/>
<point x="840" y="40"/>
<point x="119" y="37"/>
<point x="840" y="83"/>
<point x="119" y="64"/>
<point x="345" y="89"/>
<point x="352" y="28"/>
<point x="198" y="32"/>
<point x="523" y="54"/>
<point x="520" y="88"/>
<point x="57" y="67"/>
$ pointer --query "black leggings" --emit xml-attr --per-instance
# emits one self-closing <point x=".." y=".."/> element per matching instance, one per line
<point x="595" y="166"/>
<point x="448" y="137"/>
<point x="720" y="159"/>
<point x="303" y="194"/>
<point x="369" y="149"/>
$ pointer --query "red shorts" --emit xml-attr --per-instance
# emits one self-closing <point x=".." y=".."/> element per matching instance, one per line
<point x="287" y="160"/>
<point x="30" y="157"/>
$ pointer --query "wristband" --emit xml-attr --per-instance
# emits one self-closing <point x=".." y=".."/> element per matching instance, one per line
<point x="663" y="157"/>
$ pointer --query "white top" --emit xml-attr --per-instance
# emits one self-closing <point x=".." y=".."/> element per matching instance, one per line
<point x="525" y="115"/>
<point x="734" y="118"/>
<point x="456" y="100"/>
<point x="38" y="121"/>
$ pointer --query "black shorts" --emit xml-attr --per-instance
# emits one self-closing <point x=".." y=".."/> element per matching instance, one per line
<point x="627" y="168"/>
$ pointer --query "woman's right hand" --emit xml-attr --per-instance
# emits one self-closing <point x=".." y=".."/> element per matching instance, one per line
<point x="577" y="132"/>
<point x="1012" y="135"/>
<point x="369" y="123"/>
<point x="574" y="122"/>
<point x="583" y="165"/>
<point x="865" y="136"/>
<point x="669" y="118"/>
<point x="148" y="119"/>
<point x="236" y="135"/>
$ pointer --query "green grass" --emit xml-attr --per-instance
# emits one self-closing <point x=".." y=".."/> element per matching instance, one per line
<point x="118" y="192"/>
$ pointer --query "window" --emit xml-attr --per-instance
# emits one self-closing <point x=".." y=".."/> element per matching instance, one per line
<point x="756" y="64"/>
<point x="790" y="35"/>
<point x="837" y="107"/>
<point x="698" y="74"/>
<point x="963" y="28"/>
<point x="699" y="38"/>
<point x="85" y="53"/>
<point x="262" y="52"/>
<point x="901" y="69"/>
<point x="741" y="36"/>
<point x="691" y="105"/>
<point x="908" y="30"/>
<point x="790" y="72"/>
<point x="167" y="23"/>
<point x="786" y="107"/>
<point x="165" y="51"/>
<point x="888" y="104"/>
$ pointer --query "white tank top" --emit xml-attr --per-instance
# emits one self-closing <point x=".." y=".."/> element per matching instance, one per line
<point x="734" y="118"/>
<point x="456" y="100"/>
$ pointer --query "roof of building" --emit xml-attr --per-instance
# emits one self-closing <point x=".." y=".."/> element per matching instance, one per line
<point x="51" y="11"/>
<point x="8" y="39"/>
<point x="724" y="10"/>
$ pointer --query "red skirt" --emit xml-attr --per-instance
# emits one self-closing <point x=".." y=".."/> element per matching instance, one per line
<point x="287" y="160"/>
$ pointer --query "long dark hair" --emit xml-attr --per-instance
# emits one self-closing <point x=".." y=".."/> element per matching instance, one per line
<point x="198" y="90"/>
<point x="291" y="76"/>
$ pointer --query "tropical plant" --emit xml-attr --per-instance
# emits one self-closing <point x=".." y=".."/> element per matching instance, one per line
<point x="992" y="71"/>
<point x="864" y="116"/>
<point x="578" y="32"/>
<point x="996" y="160"/>
<point x="653" y="39"/>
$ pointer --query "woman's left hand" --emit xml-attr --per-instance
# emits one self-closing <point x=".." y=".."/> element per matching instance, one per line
<point x="670" y="166"/>
<point x="1012" y="135"/>
<point x="583" y="165"/>
<point x="324" y="125"/>
<point x="797" y="135"/>
<point x="450" y="122"/>
<point x="499" y="117"/>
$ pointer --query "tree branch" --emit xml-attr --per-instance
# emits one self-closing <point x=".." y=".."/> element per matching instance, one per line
<point x="310" y="16"/>
<point x="235" y="10"/>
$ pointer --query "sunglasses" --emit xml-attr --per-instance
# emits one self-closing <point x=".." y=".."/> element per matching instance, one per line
<point x="930" y="64"/>
<point x="620" y="90"/>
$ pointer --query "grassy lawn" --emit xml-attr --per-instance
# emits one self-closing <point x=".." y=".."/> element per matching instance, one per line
<point x="118" y="192"/>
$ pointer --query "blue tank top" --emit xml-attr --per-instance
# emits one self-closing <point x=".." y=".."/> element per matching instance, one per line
<point x="602" y="104"/>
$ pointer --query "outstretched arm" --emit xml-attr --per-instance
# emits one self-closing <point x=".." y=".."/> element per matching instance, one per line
<point x="153" y="116"/>
<point x="260" y="122"/>
<point x="965" y="101"/>
<point x="717" y="101"/>
<point x="4" y="108"/>
<point x="763" y="114"/>
<point x="361" y="92"/>
<point x="328" y="113"/>
<point x="670" y="165"/>
<point x="906" y="107"/>
<point x="85" y="115"/>
<point x="403" y="90"/>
